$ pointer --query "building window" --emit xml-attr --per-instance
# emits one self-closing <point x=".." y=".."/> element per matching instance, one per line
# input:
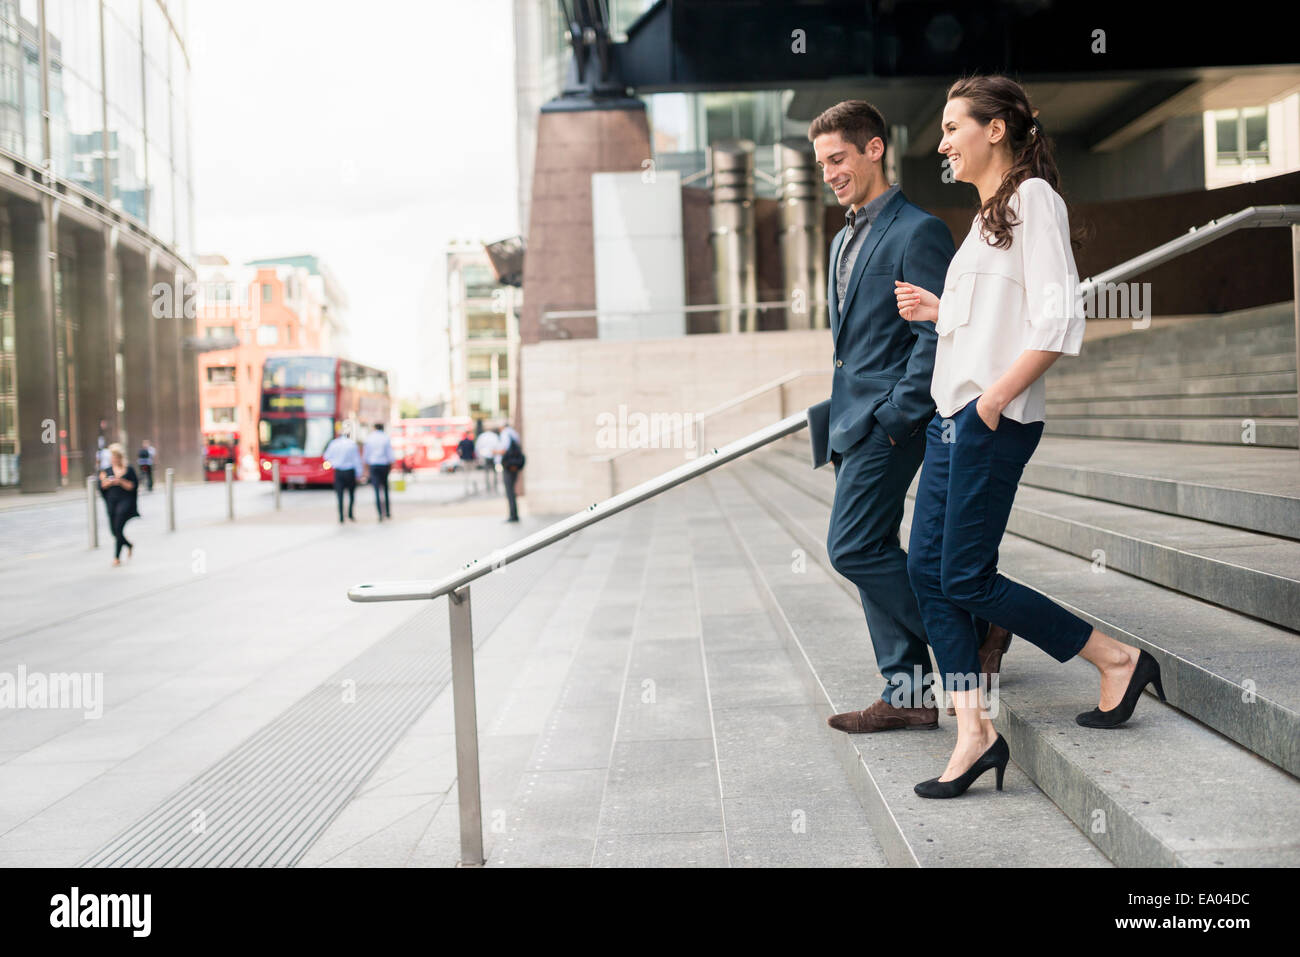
<point x="266" y="292"/>
<point x="484" y="324"/>
<point x="221" y="332"/>
<point x="480" y="281"/>
<point x="268" y="335"/>
<point x="221" y="415"/>
<point x="1241" y="136"/>
<point x="221" y="374"/>
<point x="481" y="365"/>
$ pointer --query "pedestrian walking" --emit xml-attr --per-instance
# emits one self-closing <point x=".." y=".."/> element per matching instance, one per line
<point x="512" y="463"/>
<point x="117" y="484"/>
<point x="487" y="450"/>
<point x="144" y="459"/>
<point x="379" y="459"/>
<point x="344" y="459"/>
<point x="465" y="452"/>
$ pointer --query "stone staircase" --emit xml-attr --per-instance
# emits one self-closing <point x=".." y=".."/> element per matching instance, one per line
<point x="1187" y="549"/>
<point x="660" y="699"/>
<point x="1200" y="380"/>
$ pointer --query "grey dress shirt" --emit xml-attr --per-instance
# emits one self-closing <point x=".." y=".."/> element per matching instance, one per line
<point x="859" y="224"/>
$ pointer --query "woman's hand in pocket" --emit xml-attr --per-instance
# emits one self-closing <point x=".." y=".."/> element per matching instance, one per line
<point x="989" y="411"/>
<point x="916" y="304"/>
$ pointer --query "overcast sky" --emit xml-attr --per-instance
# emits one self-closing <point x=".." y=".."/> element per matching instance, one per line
<point x="370" y="134"/>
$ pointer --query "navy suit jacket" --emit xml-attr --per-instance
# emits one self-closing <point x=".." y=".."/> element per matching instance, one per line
<point x="883" y="364"/>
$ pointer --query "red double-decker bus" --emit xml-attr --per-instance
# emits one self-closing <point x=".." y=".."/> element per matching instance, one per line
<point x="306" y="401"/>
<point x="426" y="443"/>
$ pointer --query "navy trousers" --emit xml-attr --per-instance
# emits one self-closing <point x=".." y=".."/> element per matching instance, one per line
<point x="379" y="479"/>
<point x="963" y="501"/>
<point x="871" y="482"/>
<point x="345" y="479"/>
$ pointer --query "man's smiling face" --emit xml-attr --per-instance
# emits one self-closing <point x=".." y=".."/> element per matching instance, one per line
<point x="849" y="171"/>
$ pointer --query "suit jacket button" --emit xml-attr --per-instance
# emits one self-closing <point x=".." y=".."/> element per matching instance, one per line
<point x="839" y="363"/>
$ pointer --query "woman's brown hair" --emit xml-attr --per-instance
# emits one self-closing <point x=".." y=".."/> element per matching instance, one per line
<point x="999" y="97"/>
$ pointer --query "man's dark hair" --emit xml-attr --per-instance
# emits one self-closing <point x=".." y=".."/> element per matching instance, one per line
<point x="856" y="120"/>
<point x="379" y="426"/>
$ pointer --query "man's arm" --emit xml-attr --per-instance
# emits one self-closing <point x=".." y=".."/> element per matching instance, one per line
<point x="925" y="263"/>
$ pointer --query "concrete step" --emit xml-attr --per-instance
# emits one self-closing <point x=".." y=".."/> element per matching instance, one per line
<point x="826" y="634"/>
<point x="1250" y="405"/>
<point x="682" y="735"/>
<point x="1280" y="433"/>
<point x="1247" y="572"/>
<point x="1163" y="791"/>
<point x="1244" y="486"/>
<point x="1211" y="385"/>
<point x="1193" y="340"/>
<point x="1111" y="374"/>
<point x="1219" y="683"/>
<point x="1276" y="320"/>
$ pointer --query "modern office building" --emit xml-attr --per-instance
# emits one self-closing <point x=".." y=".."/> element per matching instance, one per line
<point x="720" y="94"/>
<point x="672" y="200"/>
<point x="244" y="314"/>
<point x="482" y="336"/>
<point x="96" y="305"/>
<point x="323" y="290"/>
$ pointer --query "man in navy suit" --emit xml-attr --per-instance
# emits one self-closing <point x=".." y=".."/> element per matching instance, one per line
<point x="880" y="400"/>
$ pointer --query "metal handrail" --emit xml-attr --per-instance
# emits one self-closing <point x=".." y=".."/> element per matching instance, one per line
<point x="424" y="590"/>
<point x="551" y="314"/>
<point x="1194" y="238"/>
<point x="730" y="404"/>
<point x="456" y="586"/>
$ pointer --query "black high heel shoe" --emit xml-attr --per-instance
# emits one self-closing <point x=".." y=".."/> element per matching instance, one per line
<point x="1147" y="672"/>
<point x="996" y="756"/>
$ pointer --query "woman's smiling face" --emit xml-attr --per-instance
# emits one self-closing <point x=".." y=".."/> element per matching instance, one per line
<point x="967" y="145"/>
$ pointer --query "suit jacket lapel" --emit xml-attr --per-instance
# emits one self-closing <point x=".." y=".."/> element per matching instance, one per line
<point x="878" y="230"/>
<point x="832" y="301"/>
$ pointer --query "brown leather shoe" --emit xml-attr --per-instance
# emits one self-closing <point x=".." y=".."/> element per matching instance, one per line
<point x="883" y="716"/>
<point x="991" y="651"/>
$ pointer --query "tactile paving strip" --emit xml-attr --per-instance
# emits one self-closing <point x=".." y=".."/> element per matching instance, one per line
<point x="265" y="802"/>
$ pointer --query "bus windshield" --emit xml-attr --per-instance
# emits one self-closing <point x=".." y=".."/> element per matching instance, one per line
<point x="298" y="372"/>
<point x="301" y="436"/>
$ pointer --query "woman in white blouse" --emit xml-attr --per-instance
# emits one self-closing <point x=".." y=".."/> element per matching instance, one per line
<point x="1007" y="311"/>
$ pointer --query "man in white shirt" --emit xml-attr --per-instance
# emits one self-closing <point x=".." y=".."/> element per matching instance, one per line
<point x="344" y="460"/>
<point x="486" y="450"/>
<point x="379" y="460"/>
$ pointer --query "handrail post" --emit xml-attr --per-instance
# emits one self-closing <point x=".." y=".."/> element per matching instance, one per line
<point x="466" y="715"/>
<point x="275" y="482"/>
<point x="169" y="477"/>
<point x="92" y="515"/>
<point x="1295" y="293"/>
<point x="230" y="492"/>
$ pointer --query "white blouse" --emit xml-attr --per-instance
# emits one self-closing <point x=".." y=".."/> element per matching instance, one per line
<point x="996" y="303"/>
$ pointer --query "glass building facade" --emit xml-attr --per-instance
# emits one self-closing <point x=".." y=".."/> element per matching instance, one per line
<point x="95" y="213"/>
<point x="116" y="76"/>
